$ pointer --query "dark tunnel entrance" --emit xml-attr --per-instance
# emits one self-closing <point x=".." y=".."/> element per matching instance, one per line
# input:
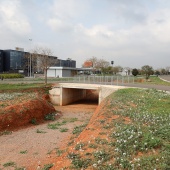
<point x="91" y="98"/>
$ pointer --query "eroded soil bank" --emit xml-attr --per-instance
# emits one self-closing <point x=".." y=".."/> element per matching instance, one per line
<point x="18" y="109"/>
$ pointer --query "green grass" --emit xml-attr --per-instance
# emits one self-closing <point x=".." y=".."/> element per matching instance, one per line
<point x="154" y="80"/>
<point x="47" y="166"/>
<point x="55" y="125"/>
<point x="40" y="131"/>
<point x="142" y="143"/>
<point x="63" y="129"/>
<point x="10" y="163"/>
<point x="78" y="129"/>
<point x="23" y="152"/>
<point x="6" y="132"/>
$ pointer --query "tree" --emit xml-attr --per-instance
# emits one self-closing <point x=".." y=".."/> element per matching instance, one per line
<point x="147" y="70"/>
<point x="135" y="72"/>
<point x="44" y="59"/>
<point x="97" y="64"/>
<point x="90" y="63"/>
<point x="157" y="72"/>
<point x="117" y="69"/>
<point x="163" y="71"/>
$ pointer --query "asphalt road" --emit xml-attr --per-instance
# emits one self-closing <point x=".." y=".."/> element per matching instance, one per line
<point x="165" y="77"/>
<point x="158" y="87"/>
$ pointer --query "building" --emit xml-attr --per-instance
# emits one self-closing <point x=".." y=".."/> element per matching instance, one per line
<point x="62" y="72"/>
<point x="14" y="61"/>
<point x="1" y="61"/>
<point x="66" y="63"/>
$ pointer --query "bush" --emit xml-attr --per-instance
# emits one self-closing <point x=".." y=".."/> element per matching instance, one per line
<point x="50" y="116"/>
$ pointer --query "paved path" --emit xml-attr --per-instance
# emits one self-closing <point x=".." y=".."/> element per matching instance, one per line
<point x="158" y="87"/>
<point x="165" y="77"/>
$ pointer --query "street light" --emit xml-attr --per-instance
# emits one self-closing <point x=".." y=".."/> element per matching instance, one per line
<point x="112" y="62"/>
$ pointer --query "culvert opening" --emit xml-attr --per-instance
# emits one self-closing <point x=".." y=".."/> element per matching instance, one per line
<point x="91" y="98"/>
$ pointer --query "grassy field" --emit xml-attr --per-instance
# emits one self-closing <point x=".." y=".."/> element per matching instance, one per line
<point x="153" y="80"/>
<point x="134" y="134"/>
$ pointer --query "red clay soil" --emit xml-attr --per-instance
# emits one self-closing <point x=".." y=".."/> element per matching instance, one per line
<point x="89" y="134"/>
<point x="19" y="115"/>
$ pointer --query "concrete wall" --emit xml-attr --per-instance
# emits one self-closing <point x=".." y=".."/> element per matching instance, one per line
<point x="104" y="92"/>
<point x="65" y="95"/>
<point x="55" y="94"/>
<point x="54" y="73"/>
<point x="66" y="73"/>
<point x="70" y="95"/>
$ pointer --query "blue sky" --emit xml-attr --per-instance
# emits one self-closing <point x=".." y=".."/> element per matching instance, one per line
<point x="132" y="33"/>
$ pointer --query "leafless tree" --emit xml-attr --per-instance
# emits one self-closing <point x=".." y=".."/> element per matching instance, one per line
<point x="44" y="59"/>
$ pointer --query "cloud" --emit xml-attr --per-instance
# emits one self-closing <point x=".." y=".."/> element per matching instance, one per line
<point x="59" y="25"/>
<point x="12" y="17"/>
<point x="64" y="14"/>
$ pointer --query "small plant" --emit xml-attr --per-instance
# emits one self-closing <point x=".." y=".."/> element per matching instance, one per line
<point x="52" y="126"/>
<point x="63" y="130"/>
<point x="70" y="142"/>
<point x="101" y="141"/>
<point x="79" y="146"/>
<point x="59" y="152"/>
<point x="23" y="152"/>
<point x="20" y="168"/>
<point x="6" y="132"/>
<point x="9" y="164"/>
<point x="74" y="119"/>
<point x="92" y="146"/>
<point x="78" y="129"/>
<point x="73" y="155"/>
<point x="47" y="166"/>
<point x="34" y="121"/>
<point x="40" y="131"/>
<point x="50" y="116"/>
<point x="81" y="163"/>
<point x="55" y="125"/>
<point x="101" y="121"/>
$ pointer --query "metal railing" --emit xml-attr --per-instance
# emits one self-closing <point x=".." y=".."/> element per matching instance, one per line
<point x="106" y="80"/>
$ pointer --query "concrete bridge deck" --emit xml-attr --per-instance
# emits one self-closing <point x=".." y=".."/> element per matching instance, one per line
<point x="66" y="93"/>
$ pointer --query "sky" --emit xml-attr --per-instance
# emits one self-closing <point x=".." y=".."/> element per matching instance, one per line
<point x="132" y="33"/>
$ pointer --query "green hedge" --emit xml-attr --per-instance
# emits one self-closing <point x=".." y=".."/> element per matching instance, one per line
<point x="11" y="76"/>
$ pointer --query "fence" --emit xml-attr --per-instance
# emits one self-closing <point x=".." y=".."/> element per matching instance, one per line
<point x="106" y="80"/>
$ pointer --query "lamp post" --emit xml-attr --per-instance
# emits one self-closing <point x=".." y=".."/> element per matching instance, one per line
<point x="30" y="60"/>
<point x="112" y="62"/>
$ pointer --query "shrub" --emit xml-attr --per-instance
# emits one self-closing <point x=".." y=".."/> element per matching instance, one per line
<point x="11" y="75"/>
<point x="50" y="116"/>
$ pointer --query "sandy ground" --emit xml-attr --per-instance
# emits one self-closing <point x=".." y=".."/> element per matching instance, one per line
<point x="25" y="147"/>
